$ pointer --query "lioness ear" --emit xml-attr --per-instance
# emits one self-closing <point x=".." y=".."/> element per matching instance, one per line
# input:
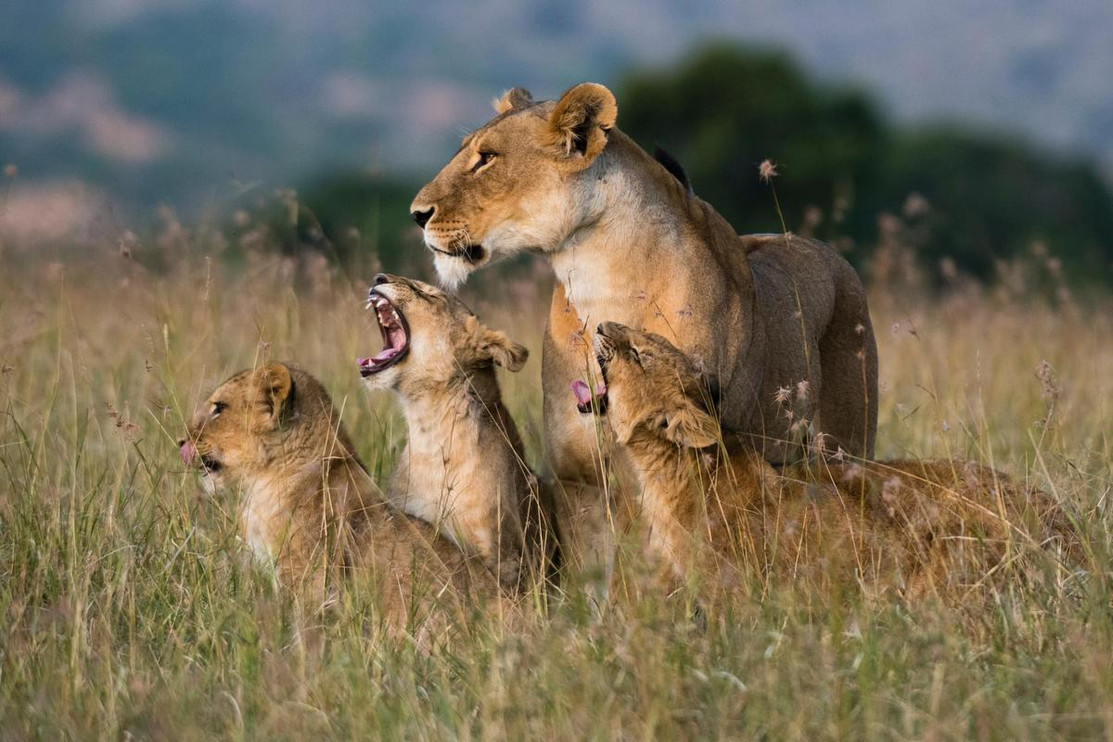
<point x="691" y="427"/>
<point x="580" y="121"/>
<point x="511" y="99"/>
<point x="275" y="385"/>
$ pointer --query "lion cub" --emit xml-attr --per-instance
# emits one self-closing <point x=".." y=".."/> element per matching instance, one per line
<point x="712" y="503"/>
<point x="463" y="467"/>
<point x="309" y="508"/>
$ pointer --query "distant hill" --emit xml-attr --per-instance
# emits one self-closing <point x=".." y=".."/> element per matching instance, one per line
<point x="189" y="100"/>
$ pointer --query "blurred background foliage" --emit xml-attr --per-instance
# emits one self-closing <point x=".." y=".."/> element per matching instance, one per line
<point x="985" y="127"/>
<point x="970" y="199"/>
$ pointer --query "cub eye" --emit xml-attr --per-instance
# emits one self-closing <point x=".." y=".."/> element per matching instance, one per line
<point x="484" y="160"/>
<point x="218" y="407"/>
<point x="640" y="356"/>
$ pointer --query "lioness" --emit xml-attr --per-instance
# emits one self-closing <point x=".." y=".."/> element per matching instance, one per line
<point x="712" y="503"/>
<point x="464" y="467"/>
<point x="309" y="508"/>
<point x="629" y="242"/>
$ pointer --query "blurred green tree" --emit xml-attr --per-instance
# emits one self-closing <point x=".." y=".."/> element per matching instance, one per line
<point x="992" y="197"/>
<point x="841" y="164"/>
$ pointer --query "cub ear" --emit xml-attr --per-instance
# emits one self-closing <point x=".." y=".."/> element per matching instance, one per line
<point x="504" y="351"/>
<point x="511" y="99"/>
<point x="691" y="427"/>
<point x="492" y="346"/>
<point x="580" y="121"/>
<point x="275" y="386"/>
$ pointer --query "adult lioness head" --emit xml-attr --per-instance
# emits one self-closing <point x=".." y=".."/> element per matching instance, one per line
<point x="518" y="183"/>
<point x="653" y="390"/>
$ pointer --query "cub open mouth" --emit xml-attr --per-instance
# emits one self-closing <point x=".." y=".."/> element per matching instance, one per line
<point x="207" y="463"/>
<point x="210" y="465"/>
<point x="595" y="400"/>
<point x="396" y="336"/>
<point x="588" y="402"/>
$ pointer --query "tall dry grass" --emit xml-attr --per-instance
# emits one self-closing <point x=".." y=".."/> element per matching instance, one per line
<point x="127" y="610"/>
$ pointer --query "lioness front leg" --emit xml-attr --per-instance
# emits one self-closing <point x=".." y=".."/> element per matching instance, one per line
<point x="576" y="448"/>
<point x="584" y="512"/>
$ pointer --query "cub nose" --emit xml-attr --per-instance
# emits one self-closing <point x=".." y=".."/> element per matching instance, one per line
<point x="422" y="217"/>
<point x="380" y="278"/>
<point x="608" y="329"/>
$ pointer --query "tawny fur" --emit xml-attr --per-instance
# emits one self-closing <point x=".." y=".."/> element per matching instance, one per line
<point x="464" y="465"/>
<point x="629" y="243"/>
<point x="713" y="505"/>
<point x="309" y="507"/>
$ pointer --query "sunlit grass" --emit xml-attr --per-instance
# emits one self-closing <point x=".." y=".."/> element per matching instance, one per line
<point x="126" y="606"/>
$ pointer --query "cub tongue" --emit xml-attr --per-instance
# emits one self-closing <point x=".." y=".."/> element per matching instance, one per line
<point x="584" y="398"/>
<point x="384" y="355"/>
<point x="189" y="451"/>
<point x="583" y="394"/>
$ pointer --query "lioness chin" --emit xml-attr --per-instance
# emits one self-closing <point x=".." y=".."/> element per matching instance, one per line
<point x="464" y="466"/>
<point x="309" y="508"/>
<point x="713" y="505"/>
<point x="630" y="242"/>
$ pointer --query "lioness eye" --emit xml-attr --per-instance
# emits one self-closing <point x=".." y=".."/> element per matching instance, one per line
<point x="635" y="355"/>
<point x="218" y="407"/>
<point x="484" y="159"/>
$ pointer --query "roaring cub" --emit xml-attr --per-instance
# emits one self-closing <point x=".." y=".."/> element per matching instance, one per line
<point x="309" y="508"/>
<point x="629" y="242"/>
<point x="711" y="503"/>
<point x="463" y="467"/>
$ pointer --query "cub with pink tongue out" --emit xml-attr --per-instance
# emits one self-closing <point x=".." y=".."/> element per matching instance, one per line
<point x="270" y="438"/>
<point x="463" y="468"/>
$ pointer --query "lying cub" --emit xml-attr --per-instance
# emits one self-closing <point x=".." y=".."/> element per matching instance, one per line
<point x="713" y="504"/>
<point x="309" y="508"/>
<point x="463" y="467"/>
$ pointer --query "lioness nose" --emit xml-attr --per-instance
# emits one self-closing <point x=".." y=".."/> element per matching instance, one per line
<point x="422" y="217"/>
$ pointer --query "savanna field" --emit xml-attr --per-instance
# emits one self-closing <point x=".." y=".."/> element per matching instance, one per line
<point x="128" y="608"/>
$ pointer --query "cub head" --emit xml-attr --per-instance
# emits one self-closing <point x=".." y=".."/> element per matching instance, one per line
<point x="653" y="390"/>
<point x="430" y="339"/>
<point x="520" y="182"/>
<point x="256" y="420"/>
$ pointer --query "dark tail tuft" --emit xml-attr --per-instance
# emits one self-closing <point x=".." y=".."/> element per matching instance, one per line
<point x="675" y="169"/>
